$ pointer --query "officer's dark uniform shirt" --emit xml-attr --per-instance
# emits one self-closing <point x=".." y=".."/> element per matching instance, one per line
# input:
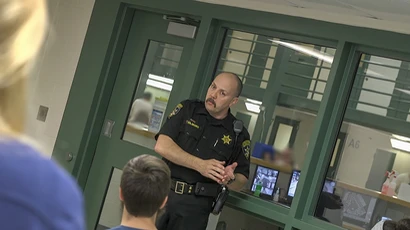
<point x="194" y="130"/>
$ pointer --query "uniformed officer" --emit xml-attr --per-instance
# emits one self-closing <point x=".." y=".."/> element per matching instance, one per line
<point x="203" y="151"/>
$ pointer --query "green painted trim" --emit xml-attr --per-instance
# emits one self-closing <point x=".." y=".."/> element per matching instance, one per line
<point x="257" y="207"/>
<point x="387" y="124"/>
<point x="300" y="103"/>
<point x="278" y="34"/>
<point x="288" y="24"/>
<point x="325" y="131"/>
<point x="212" y="64"/>
<point x="271" y="94"/>
<point x="91" y="87"/>
<point x="312" y="224"/>
<point x="337" y="93"/>
<point x="384" y="52"/>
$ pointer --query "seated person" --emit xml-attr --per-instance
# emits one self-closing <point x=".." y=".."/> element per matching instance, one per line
<point x="141" y="109"/>
<point x="144" y="188"/>
<point x="268" y="156"/>
<point x="285" y="158"/>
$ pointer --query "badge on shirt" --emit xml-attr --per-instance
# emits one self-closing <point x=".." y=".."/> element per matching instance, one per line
<point x="246" y="148"/>
<point x="226" y="139"/>
<point x="175" y="111"/>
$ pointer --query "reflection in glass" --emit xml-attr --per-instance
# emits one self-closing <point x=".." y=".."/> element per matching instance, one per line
<point x="301" y="70"/>
<point x="152" y="93"/>
<point x="378" y="104"/>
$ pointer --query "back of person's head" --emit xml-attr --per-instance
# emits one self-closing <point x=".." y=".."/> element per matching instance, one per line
<point x="147" y="96"/>
<point x="389" y="225"/>
<point x="22" y="27"/>
<point x="403" y="224"/>
<point x="145" y="184"/>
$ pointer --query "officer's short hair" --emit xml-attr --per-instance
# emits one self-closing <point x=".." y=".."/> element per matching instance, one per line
<point x="145" y="183"/>
<point x="238" y="82"/>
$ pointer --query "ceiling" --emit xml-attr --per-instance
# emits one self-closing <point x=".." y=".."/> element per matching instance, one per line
<point x="389" y="15"/>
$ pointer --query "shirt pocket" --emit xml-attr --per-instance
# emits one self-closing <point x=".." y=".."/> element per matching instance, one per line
<point x="222" y="152"/>
<point x="188" y="137"/>
<point x="190" y="131"/>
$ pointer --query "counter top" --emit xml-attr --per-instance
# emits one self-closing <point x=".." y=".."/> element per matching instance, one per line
<point x="139" y="129"/>
<point x="373" y="193"/>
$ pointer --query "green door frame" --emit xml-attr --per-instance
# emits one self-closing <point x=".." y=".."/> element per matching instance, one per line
<point x="101" y="54"/>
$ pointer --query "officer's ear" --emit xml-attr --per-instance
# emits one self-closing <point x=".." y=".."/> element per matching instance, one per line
<point x="164" y="203"/>
<point x="234" y="101"/>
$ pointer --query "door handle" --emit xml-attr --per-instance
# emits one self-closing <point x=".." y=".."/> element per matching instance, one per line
<point x="109" y="125"/>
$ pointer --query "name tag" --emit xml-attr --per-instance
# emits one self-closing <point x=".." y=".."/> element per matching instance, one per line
<point x="192" y="124"/>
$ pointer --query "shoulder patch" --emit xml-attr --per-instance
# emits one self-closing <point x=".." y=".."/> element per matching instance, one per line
<point x="176" y="110"/>
<point x="246" y="148"/>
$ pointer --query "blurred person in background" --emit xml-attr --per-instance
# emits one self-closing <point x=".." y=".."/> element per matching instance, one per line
<point x="35" y="193"/>
<point x="403" y="224"/>
<point x="141" y="109"/>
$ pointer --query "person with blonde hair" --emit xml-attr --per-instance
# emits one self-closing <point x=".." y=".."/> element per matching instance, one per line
<point x="35" y="193"/>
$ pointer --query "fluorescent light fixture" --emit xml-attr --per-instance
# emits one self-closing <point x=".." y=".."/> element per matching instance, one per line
<point x="161" y="79"/>
<point x="401" y="145"/>
<point x="322" y="56"/>
<point x="401" y="138"/>
<point x="252" y="107"/>
<point x="159" y="85"/>
<point x="254" y="101"/>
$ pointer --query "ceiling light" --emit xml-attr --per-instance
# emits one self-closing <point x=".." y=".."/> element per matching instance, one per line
<point x="161" y="79"/>
<point x="401" y="145"/>
<point x="401" y="138"/>
<point x="252" y="107"/>
<point x="254" y="101"/>
<point x="159" y="85"/>
<point x="322" y="56"/>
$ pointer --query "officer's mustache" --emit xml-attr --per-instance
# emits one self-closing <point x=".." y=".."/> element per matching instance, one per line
<point x="212" y="101"/>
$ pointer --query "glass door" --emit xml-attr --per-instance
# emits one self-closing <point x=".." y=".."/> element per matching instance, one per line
<point x="153" y="63"/>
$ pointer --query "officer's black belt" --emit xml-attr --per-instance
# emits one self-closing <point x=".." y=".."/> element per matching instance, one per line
<point x="199" y="189"/>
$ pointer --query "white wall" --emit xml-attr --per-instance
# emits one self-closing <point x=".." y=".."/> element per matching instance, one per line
<point x="357" y="161"/>
<point x="56" y="65"/>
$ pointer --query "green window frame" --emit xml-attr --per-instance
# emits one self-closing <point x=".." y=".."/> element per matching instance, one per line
<point x="87" y="103"/>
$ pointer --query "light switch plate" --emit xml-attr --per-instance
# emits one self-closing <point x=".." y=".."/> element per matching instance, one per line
<point x="42" y="113"/>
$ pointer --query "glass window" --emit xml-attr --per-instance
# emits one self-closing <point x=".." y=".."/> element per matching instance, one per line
<point x="283" y="86"/>
<point x="152" y="93"/>
<point x="357" y="192"/>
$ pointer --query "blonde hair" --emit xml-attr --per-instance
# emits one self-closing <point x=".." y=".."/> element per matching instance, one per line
<point x="22" y="28"/>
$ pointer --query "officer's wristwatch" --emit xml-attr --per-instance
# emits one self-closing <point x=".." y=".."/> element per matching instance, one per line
<point x="231" y="180"/>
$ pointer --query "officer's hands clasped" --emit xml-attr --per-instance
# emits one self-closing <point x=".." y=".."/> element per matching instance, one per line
<point x="216" y="171"/>
<point x="212" y="169"/>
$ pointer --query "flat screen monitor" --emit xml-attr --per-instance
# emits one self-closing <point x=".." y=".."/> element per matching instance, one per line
<point x="267" y="178"/>
<point x="329" y="186"/>
<point x="294" y="180"/>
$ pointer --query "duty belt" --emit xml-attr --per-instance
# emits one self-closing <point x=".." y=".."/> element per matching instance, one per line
<point x="199" y="189"/>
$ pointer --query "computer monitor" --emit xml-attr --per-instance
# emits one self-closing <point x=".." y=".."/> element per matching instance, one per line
<point x="294" y="180"/>
<point x="329" y="186"/>
<point x="267" y="177"/>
